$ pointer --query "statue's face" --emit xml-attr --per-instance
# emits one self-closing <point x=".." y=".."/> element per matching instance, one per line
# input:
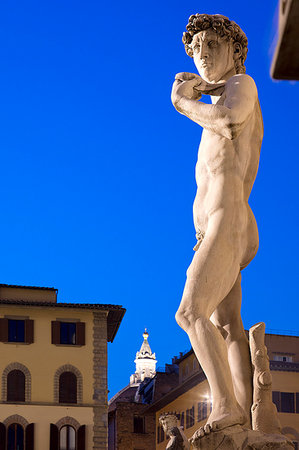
<point x="212" y="55"/>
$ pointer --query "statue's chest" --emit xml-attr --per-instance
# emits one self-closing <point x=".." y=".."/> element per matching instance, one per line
<point x="216" y="154"/>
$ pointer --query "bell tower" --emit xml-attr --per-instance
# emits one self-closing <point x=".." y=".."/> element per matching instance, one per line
<point x="145" y="362"/>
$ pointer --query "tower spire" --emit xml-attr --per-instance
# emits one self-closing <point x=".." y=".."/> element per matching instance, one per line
<point x="145" y="362"/>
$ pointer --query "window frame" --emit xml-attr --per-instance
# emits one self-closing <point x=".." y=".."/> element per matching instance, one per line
<point x="137" y="420"/>
<point x="68" y="427"/>
<point x="16" y="425"/>
<point x="278" y="397"/>
<point x="16" y="330"/>
<point x="160" y="434"/>
<point x="16" y="388"/>
<point x="202" y="411"/>
<point x="80" y="433"/>
<point x="80" y="333"/>
<point x="61" y="395"/>
<point x="5" y="323"/>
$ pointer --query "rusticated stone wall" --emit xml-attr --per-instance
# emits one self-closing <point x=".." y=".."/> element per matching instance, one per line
<point x="100" y="409"/>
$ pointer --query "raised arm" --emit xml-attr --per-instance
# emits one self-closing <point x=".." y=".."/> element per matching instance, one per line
<point x="228" y="119"/>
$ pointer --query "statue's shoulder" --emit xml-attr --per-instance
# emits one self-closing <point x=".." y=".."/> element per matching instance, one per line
<point x="241" y="82"/>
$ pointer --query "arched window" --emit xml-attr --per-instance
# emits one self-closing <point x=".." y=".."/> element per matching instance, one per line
<point x="67" y="388"/>
<point x="67" y="438"/>
<point x="15" y="437"/>
<point x="16" y="386"/>
<point x="67" y="434"/>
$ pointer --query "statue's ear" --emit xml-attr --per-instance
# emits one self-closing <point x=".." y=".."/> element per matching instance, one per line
<point x="237" y="50"/>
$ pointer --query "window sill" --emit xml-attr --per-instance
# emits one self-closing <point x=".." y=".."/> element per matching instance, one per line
<point x="68" y="345"/>
<point x="11" y="402"/>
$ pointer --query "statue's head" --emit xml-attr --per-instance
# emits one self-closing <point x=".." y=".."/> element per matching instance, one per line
<point x="217" y="45"/>
<point x="168" y="421"/>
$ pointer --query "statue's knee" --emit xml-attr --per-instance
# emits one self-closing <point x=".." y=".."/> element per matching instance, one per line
<point x="182" y="319"/>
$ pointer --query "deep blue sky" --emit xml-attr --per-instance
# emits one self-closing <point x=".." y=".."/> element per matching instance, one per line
<point x="97" y="167"/>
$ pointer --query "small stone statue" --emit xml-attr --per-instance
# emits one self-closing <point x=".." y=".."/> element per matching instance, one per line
<point x="178" y="440"/>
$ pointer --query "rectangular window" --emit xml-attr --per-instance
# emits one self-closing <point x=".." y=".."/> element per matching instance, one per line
<point x="191" y="411"/>
<point x="190" y="417"/>
<point x="287" y="402"/>
<point x="202" y="411"/>
<point x="276" y="399"/>
<point x="284" y="358"/>
<point x="139" y="424"/>
<point x="160" y="434"/>
<point x="68" y="333"/>
<point x="183" y="420"/>
<point x="16" y="330"/>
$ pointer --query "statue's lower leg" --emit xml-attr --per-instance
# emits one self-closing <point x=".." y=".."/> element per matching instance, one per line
<point x="211" y="351"/>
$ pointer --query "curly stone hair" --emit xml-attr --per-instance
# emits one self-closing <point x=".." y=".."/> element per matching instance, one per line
<point x="224" y="27"/>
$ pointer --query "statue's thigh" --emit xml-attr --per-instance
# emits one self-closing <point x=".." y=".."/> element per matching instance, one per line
<point x="209" y="281"/>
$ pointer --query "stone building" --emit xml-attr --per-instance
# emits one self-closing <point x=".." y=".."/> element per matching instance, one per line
<point x="130" y="427"/>
<point x="53" y="366"/>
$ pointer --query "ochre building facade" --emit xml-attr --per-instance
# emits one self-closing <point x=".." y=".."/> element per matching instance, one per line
<point x="53" y="368"/>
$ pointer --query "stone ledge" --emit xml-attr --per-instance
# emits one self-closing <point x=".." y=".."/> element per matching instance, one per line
<point x="238" y="438"/>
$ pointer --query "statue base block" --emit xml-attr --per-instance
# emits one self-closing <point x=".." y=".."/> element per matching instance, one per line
<point x="238" y="438"/>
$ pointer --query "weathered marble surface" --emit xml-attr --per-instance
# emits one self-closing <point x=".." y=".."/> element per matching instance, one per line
<point x="263" y="411"/>
<point x="226" y="231"/>
<point x="238" y="438"/>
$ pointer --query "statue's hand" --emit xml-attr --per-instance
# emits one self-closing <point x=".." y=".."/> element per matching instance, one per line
<point x="184" y="86"/>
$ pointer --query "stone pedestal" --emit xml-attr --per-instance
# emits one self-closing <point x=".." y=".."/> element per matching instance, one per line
<point x="238" y="438"/>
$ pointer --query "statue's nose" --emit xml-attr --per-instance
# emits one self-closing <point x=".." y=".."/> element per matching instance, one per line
<point x="203" y="54"/>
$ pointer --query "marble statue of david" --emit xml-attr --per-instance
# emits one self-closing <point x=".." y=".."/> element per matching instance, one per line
<point x="226" y="230"/>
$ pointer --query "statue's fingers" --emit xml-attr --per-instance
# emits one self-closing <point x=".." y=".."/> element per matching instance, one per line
<point x="186" y="76"/>
<point x="176" y="83"/>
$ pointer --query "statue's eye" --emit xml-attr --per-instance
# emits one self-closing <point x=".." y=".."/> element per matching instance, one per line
<point x="212" y="44"/>
<point x="196" y="48"/>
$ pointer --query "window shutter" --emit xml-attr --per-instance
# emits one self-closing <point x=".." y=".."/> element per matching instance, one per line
<point x="53" y="437"/>
<point x="16" y="386"/>
<point x="67" y="388"/>
<point x="80" y="333"/>
<point x="3" y="330"/>
<point x="2" y="437"/>
<point x="30" y="437"/>
<point x="81" y="438"/>
<point x="55" y="332"/>
<point x="276" y="400"/>
<point x="29" y="331"/>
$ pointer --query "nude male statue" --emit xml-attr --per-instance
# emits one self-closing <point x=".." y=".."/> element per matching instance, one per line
<point x="226" y="231"/>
